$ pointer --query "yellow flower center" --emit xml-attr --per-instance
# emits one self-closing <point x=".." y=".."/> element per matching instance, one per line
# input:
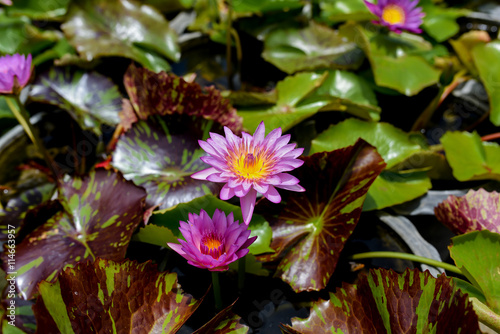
<point x="250" y="167"/>
<point x="211" y="245"/>
<point x="393" y="14"/>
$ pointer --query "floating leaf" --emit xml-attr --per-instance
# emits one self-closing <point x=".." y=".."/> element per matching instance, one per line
<point x="310" y="229"/>
<point x="160" y="154"/>
<point x="38" y="10"/>
<point x="100" y="28"/>
<point x="344" y="10"/>
<point x="165" y="94"/>
<point x="476" y="254"/>
<point x="476" y="211"/>
<point x="440" y="22"/>
<point x="464" y="45"/>
<point x="225" y="322"/>
<point x="310" y="48"/>
<point x="91" y="98"/>
<point x="387" y="302"/>
<point x="170" y="218"/>
<point x="101" y="211"/>
<point x="107" y="296"/>
<point x="154" y="235"/>
<point x="262" y="6"/>
<point x="470" y="158"/>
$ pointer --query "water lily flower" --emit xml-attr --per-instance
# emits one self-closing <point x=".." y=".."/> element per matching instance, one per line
<point x="213" y="243"/>
<point x="398" y="15"/>
<point x="251" y="164"/>
<point x="6" y="2"/>
<point x="15" y="72"/>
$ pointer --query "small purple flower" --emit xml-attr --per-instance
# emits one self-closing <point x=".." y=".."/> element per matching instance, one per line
<point x="251" y="164"/>
<point x="17" y="66"/>
<point x="6" y="2"/>
<point x="213" y="243"/>
<point x="398" y="15"/>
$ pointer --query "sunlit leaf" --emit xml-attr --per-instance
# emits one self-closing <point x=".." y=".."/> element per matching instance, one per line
<point x="464" y="45"/>
<point x="39" y="10"/>
<point x="108" y="296"/>
<point x="387" y="302"/>
<point x="311" y="228"/>
<point x="100" y="213"/>
<point x="225" y="322"/>
<point x="261" y="6"/>
<point x="155" y="235"/>
<point x="344" y="10"/>
<point x="440" y="22"/>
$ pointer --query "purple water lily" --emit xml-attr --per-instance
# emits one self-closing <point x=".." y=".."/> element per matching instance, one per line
<point x="12" y="66"/>
<point x="398" y="15"/>
<point x="213" y="243"/>
<point x="251" y="164"/>
<point x="6" y="2"/>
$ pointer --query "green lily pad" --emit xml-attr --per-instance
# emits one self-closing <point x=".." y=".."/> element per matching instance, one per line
<point x="476" y="254"/>
<point x="39" y="10"/>
<point x="262" y="6"/>
<point x="311" y="228"/>
<point x="344" y="10"/>
<point x="165" y="94"/>
<point x="387" y="302"/>
<point x="154" y="235"/>
<point x="225" y="322"/>
<point x="170" y="218"/>
<point x="476" y="211"/>
<point x="440" y="22"/>
<point x="100" y="213"/>
<point x="107" y="296"/>
<point x="470" y="158"/>
<point x="395" y="59"/>
<point x="5" y="111"/>
<point x="310" y="48"/>
<point x="486" y="59"/>
<point x="464" y="45"/>
<point x="103" y="28"/>
<point x="91" y="98"/>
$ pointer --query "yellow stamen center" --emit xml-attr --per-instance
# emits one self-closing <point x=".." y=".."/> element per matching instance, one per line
<point x="250" y="167"/>
<point x="212" y="245"/>
<point x="393" y="14"/>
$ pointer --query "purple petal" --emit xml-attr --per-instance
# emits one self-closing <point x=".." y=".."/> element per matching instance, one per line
<point x="176" y="247"/>
<point x="214" y="162"/>
<point x="226" y="193"/>
<point x="287" y="179"/>
<point x="295" y="187"/>
<point x="209" y="149"/>
<point x="259" y="134"/>
<point x="261" y="187"/>
<point x="203" y="174"/>
<point x="216" y="178"/>
<point x="273" y="195"/>
<point x="247" y="204"/>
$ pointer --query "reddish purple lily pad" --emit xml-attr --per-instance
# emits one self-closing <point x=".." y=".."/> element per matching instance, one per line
<point x="225" y="322"/>
<point x="387" y="302"/>
<point x="165" y="94"/>
<point x="100" y="213"/>
<point x="107" y="296"/>
<point x="311" y="228"/>
<point x="476" y="211"/>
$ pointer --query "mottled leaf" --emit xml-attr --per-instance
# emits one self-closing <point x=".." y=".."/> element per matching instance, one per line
<point x="38" y="10"/>
<point x="107" y="296"/>
<point x="476" y="254"/>
<point x="170" y="218"/>
<point x="100" y="28"/>
<point x="91" y="98"/>
<point x="387" y="302"/>
<point x="160" y="154"/>
<point x="310" y="48"/>
<point x="475" y="211"/>
<point x="470" y="158"/>
<point x="165" y="94"/>
<point x="311" y="228"/>
<point x="225" y="322"/>
<point x="100" y="213"/>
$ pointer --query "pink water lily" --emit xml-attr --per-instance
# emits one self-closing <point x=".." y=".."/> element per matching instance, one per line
<point x="6" y="2"/>
<point x="398" y="15"/>
<point x="213" y="243"/>
<point x="14" y="66"/>
<point x="251" y="165"/>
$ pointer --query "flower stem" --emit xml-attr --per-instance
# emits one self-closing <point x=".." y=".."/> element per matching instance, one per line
<point x="492" y="136"/>
<point x="406" y="256"/>
<point x="217" y="295"/>
<point x="486" y="315"/>
<point x="241" y="272"/>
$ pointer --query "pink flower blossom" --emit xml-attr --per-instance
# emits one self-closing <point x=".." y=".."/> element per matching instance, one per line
<point x="6" y="2"/>
<point x="398" y="15"/>
<point x="251" y="164"/>
<point x="17" y="66"/>
<point x="213" y="243"/>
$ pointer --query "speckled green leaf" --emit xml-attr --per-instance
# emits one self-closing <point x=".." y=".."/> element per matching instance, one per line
<point x="100" y="213"/>
<point x="476" y="254"/>
<point x="476" y="211"/>
<point x="113" y="297"/>
<point x="170" y="218"/>
<point x="387" y="302"/>
<point x="440" y="22"/>
<point x="38" y="10"/>
<point x="310" y="48"/>
<point x="100" y="28"/>
<point x="311" y="228"/>
<point x="91" y="98"/>
<point x="225" y="322"/>
<point x="395" y="59"/>
<point x="18" y="319"/>
<point x="262" y="6"/>
<point x="470" y="158"/>
<point x="160" y="154"/>
<point x="165" y="94"/>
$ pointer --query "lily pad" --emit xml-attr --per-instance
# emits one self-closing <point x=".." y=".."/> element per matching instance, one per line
<point x="470" y="158"/>
<point x="103" y="28"/>
<point x="464" y="45"/>
<point x="165" y="94"/>
<point x="5" y="111"/>
<point x="39" y="10"/>
<point x="310" y="229"/>
<point x="225" y="322"/>
<point x="394" y="58"/>
<point x="126" y="297"/>
<point x="476" y="254"/>
<point x="310" y="48"/>
<point x="100" y="213"/>
<point x="91" y="98"/>
<point x="160" y="154"/>
<point x="344" y="10"/>
<point x="475" y="211"/>
<point x="387" y="302"/>
<point x="262" y="6"/>
<point x="440" y="22"/>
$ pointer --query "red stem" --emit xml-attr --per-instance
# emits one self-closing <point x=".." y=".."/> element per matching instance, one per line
<point x="491" y="136"/>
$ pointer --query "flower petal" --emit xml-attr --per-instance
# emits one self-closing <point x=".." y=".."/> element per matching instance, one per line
<point x="247" y="205"/>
